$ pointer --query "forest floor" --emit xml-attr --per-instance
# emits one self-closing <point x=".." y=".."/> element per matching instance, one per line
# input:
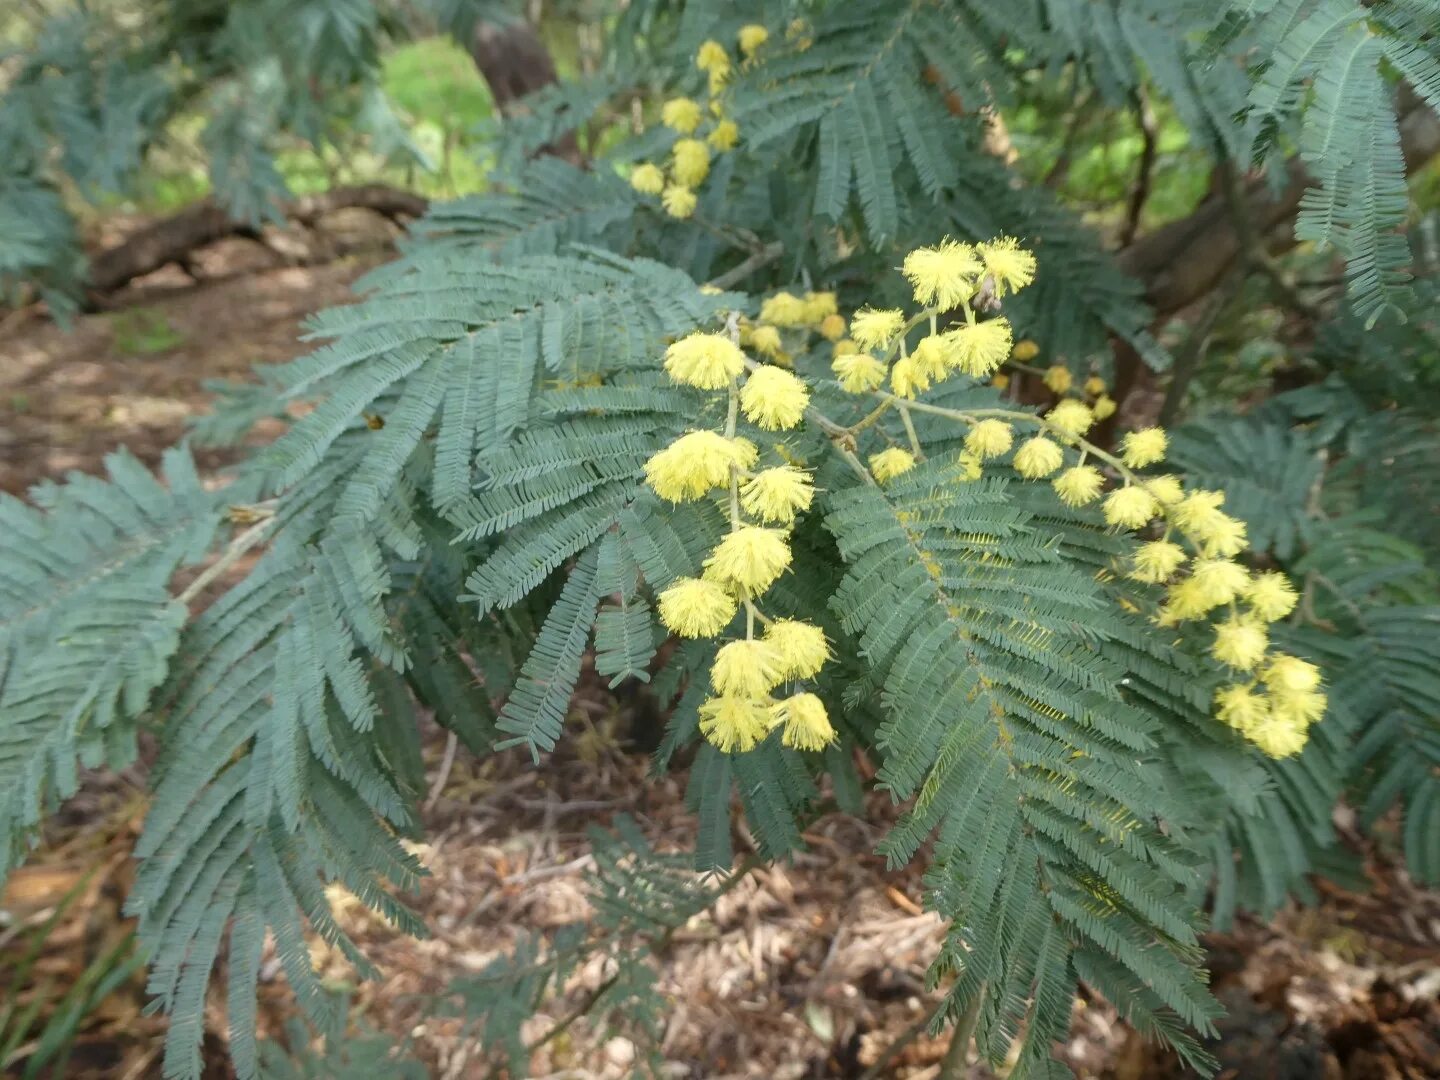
<point x="810" y="969"/>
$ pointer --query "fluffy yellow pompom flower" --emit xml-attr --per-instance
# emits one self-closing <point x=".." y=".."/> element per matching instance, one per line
<point x="858" y="372"/>
<point x="1104" y="407"/>
<point x="774" y="399"/>
<point x="695" y="463"/>
<point x="832" y="327"/>
<point x="1278" y="737"/>
<point x="807" y="725"/>
<point x="1156" y="561"/>
<point x="1220" y="580"/>
<point x="1199" y="517"/>
<point x="1271" y="596"/>
<point x="679" y="201"/>
<point x="888" y="464"/>
<point x="1241" y="708"/>
<point x="1300" y="708"/>
<point x="819" y="306"/>
<point x="1165" y="488"/>
<point x="1187" y="599"/>
<point x="944" y="275"/>
<point x="750" y="559"/>
<point x="1058" y="378"/>
<point x="800" y="646"/>
<point x="1008" y="263"/>
<point x="747" y="669"/>
<point x="708" y="361"/>
<point x="712" y="57"/>
<point x="1287" y="674"/>
<point x="1094" y="386"/>
<point x="680" y="114"/>
<point x="647" y="179"/>
<point x="907" y="378"/>
<point x="979" y="348"/>
<point x="1130" y="507"/>
<point x="1079" y="484"/>
<point x="933" y="356"/>
<point x="777" y="494"/>
<point x="724" y="136"/>
<point x="1025" y="350"/>
<point x="691" y="162"/>
<point x="1144" y="447"/>
<point x="989" y="439"/>
<point x="1241" y="643"/>
<point x="1225" y="536"/>
<point x="695" y="608"/>
<point x="765" y="340"/>
<point x="1038" y="457"/>
<point x="874" y="329"/>
<point x="1071" y="417"/>
<point x="784" y="309"/>
<point x="751" y="37"/>
<point x="734" y="724"/>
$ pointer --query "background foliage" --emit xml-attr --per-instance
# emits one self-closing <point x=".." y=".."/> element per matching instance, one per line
<point x="466" y="551"/>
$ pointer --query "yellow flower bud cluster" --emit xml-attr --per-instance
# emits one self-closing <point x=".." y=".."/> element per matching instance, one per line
<point x="702" y="126"/>
<point x="764" y="503"/>
<point x="1194" y="559"/>
<point x="814" y="312"/>
<point x="949" y="276"/>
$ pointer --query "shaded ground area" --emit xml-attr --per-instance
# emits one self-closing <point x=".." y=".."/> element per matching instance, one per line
<point x="813" y="969"/>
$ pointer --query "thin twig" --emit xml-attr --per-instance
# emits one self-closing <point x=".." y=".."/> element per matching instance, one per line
<point x="1145" y="116"/>
<point x="1187" y="359"/>
<point x="238" y="547"/>
<point x="954" y="1064"/>
<point x="764" y="257"/>
<point x="443" y="776"/>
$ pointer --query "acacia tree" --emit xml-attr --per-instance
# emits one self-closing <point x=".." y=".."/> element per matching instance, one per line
<point x="804" y="374"/>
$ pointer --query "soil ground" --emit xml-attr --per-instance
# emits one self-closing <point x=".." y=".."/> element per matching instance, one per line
<point x="811" y="969"/>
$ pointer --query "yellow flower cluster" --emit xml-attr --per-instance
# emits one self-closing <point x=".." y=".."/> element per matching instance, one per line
<point x="748" y="560"/>
<point x="1283" y="698"/>
<point x="815" y="312"/>
<point x="690" y="155"/>
<point x="1194" y="560"/>
<point x="1275" y="710"/>
<point x="950" y="275"/>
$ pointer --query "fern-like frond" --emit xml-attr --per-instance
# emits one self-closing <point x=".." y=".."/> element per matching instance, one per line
<point x="88" y="624"/>
<point x="1012" y="731"/>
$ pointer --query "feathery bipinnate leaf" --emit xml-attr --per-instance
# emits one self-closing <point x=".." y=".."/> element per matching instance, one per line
<point x="88" y="623"/>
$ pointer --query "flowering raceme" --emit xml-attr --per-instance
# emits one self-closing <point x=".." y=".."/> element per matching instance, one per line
<point x="1182" y="567"/>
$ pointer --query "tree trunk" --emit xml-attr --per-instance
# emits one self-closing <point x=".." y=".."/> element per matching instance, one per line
<point x="514" y="62"/>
